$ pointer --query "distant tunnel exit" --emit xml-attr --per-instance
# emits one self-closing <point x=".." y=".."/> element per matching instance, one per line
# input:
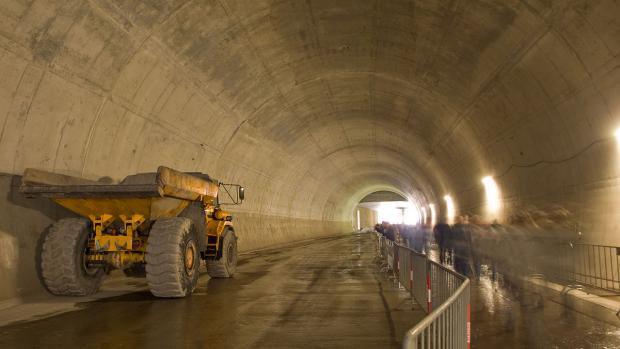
<point x="390" y="207"/>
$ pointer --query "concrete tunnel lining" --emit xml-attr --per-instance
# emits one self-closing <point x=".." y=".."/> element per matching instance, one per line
<point x="311" y="104"/>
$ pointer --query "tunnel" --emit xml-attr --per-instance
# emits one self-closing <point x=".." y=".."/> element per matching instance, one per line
<point x="312" y="106"/>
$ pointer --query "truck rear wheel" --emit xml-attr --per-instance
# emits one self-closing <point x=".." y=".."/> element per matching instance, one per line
<point x="63" y="259"/>
<point x="172" y="257"/>
<point x="226" y="265"/>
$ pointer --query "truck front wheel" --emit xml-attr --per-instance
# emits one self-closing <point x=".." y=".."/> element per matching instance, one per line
<point x="172" y="257"/>
<point x="64" y="266"/>
<point x="226" y="265"/>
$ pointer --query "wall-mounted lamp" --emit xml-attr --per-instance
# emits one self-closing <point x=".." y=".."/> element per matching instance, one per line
<point x="431" y="207"/>
<point x="493" y="197"/>
<point x="450" y="212"/>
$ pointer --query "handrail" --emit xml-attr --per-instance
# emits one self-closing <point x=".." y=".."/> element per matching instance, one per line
<point x="448" y="324"/>
<point x="574" y="262"/>
<point x="413" y="333"/>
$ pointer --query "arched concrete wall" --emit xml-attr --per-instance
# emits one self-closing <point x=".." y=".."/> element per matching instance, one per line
<point x="314" y="104"/>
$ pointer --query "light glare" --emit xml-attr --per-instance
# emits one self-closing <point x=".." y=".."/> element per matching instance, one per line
<point x="493" y="196"/>
<point x="450" y="212"/>
<point x="433" y="214"/>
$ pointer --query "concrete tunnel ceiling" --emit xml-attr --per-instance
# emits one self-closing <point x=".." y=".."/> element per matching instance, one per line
<point x="314" y="104"/>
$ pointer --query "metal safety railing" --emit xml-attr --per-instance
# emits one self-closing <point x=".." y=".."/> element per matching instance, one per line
<point x="449" y="324"/>
<point x="556" y="260"/>
<point x="577" y="263"/>
<point x="441" y="292"/>
<point x="597" y="266"/>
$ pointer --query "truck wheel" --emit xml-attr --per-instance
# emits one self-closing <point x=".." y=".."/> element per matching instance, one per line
<point x="63" y="259"/>
<point x="172" y="257"/>
<point x="226" y="265"/>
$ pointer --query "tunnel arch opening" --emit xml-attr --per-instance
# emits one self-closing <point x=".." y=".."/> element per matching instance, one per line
<point x="388" y="205"/>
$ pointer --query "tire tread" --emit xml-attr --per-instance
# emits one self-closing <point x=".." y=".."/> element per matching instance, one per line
<point x="59" y="268"/>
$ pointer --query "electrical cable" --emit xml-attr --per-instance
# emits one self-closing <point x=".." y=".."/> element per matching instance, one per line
<point x="554" y="162"/>
<point x="548" y="162"/>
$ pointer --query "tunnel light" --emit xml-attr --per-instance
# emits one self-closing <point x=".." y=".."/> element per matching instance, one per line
<point x="450" y="212"/>
<point x="424" y="221"/>
<point x="433" y="214"/>
<point x="617" y="134"/>
<point x="493" y="197"/>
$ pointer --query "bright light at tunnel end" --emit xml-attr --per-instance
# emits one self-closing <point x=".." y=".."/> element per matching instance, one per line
<point x="399" y="212"/>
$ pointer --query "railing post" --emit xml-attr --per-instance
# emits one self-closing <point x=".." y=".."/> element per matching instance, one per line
<point x="429" y="298"/>
<point x="411" y="272"/>
<point x="468" y="325"/>
<point x="396" y="263"/>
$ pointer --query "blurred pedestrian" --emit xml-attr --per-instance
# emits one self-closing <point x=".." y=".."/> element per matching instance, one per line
<point x="391" y="232"/>
<point x="419" y="238"/>
<point x="441" y="231"/>
<point x="461" y="236"/>
<point x="478" y="232"/>
<point x="493" y="246"/>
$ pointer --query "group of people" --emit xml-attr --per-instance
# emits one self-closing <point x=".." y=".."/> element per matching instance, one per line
<point x="523" y="245"/>
<point x="519" y="246"/>
<point x="455" y="242"/>
<point x="413" y="236"/>
<point x="460" y="243"/>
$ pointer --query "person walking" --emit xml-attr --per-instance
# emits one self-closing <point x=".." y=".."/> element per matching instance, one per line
<point x="461" y="236"/>
<point x="441" y="233"/>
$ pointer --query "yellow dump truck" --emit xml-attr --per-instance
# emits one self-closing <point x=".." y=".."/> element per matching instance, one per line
<point x="154" y="225"/>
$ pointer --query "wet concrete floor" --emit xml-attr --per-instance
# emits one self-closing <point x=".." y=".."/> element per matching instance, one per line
<point x="324" y="294"/>
<point x="509" y="315"/>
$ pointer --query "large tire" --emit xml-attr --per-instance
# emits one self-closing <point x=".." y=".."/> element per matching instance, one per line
<point x="172" y="258"/>
<point x="226" y="265"/>
<point x="63" y="260"/>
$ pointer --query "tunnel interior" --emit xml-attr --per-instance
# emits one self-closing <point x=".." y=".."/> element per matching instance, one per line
<point x="313" y="105"/>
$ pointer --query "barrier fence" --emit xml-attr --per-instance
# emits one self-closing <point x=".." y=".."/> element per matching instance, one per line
<point x="441" y="292"/>
<point x="596" y="265"/>
<point x="584" y="264"/>
<point x="444" y="294"/>
<point x="564" y="261"/>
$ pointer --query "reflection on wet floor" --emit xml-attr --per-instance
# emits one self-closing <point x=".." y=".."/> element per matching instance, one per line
<point x="509" y="314"/>
<point x="506" y="313"/>
<point x="512" y="316"/>
<point x="322" y="294"/>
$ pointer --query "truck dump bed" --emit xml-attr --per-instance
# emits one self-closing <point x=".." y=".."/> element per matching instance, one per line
<point x="166" y="182"/>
